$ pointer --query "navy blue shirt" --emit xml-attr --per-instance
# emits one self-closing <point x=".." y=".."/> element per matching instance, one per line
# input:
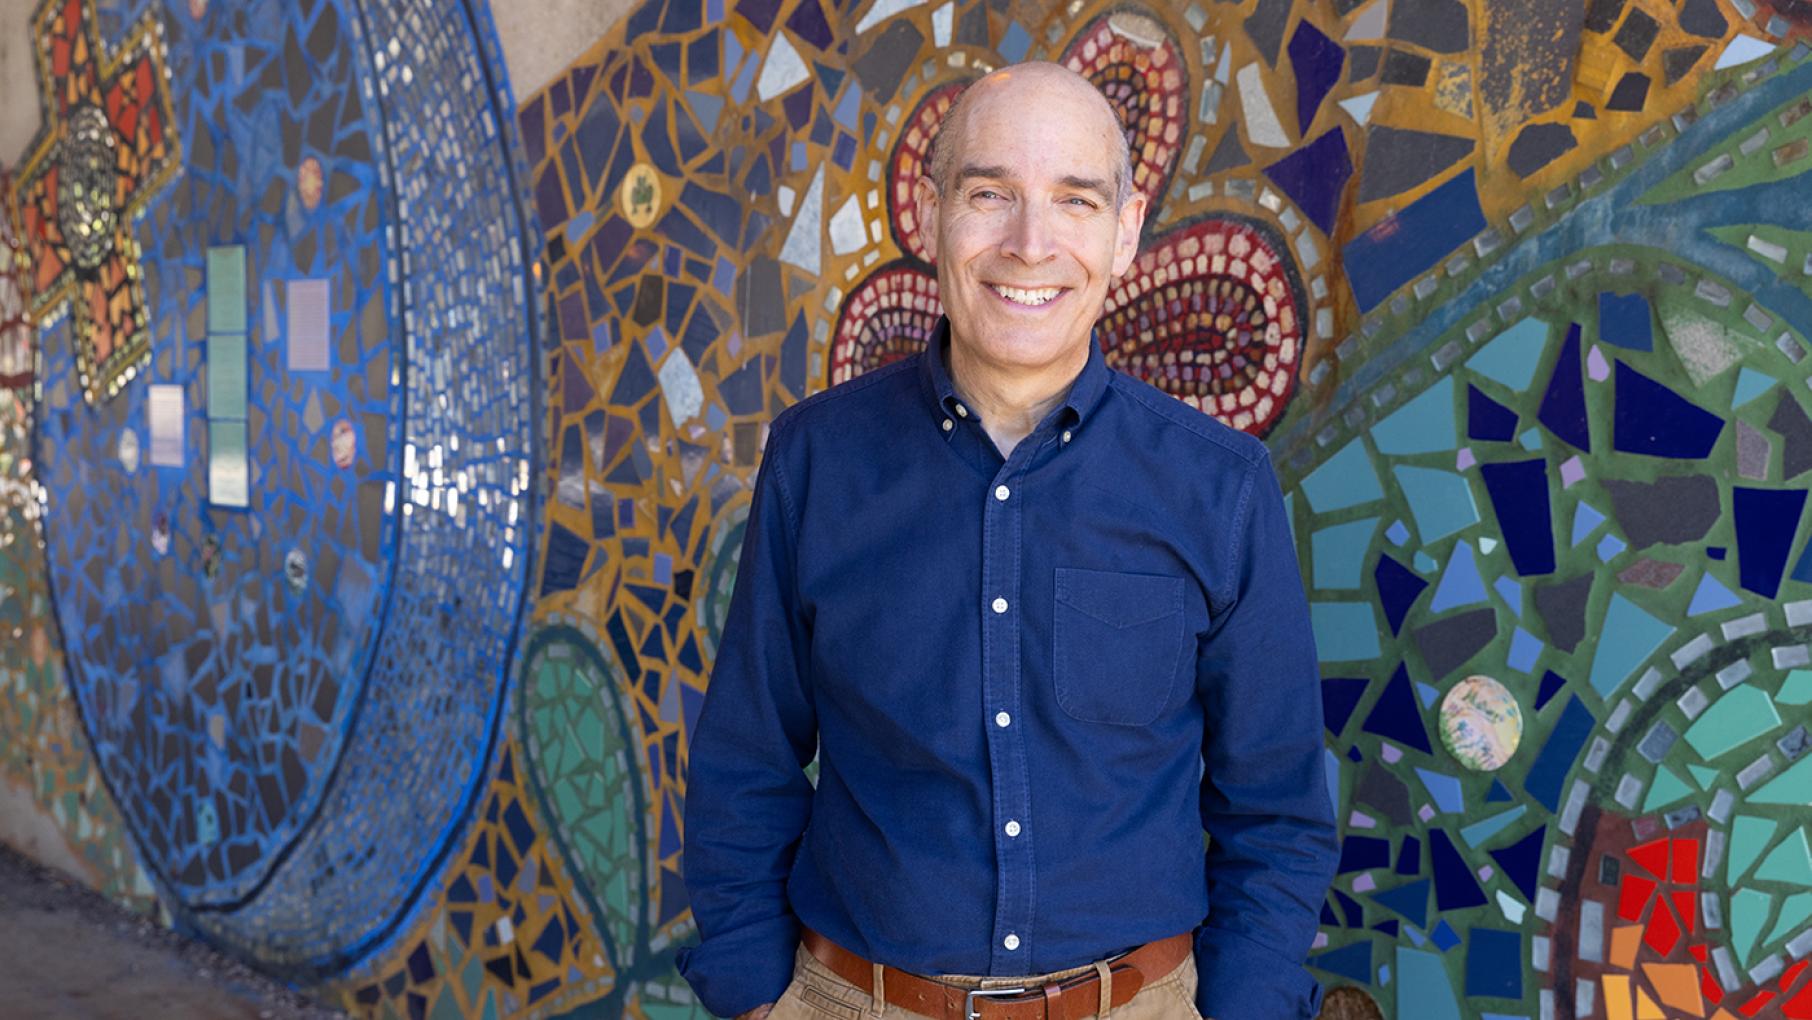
<point x="1032" y="684"/>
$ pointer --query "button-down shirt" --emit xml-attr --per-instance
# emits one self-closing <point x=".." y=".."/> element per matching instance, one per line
<point x="1032" y="683"/>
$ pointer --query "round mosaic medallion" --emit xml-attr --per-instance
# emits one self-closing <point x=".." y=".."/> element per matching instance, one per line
<point x="1481" y="723"/>
<point x="88" y="214"/>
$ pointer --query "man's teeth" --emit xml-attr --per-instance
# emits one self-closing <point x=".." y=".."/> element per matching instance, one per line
<point x="1027" y="297"/>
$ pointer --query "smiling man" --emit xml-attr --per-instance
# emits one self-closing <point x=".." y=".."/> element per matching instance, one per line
<point x="1044" y="626"/>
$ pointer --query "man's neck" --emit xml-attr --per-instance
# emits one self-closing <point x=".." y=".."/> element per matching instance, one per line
<point x="1010" y="403"/>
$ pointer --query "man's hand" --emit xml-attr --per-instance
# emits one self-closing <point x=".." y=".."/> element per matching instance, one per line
<point x="758" y="1013"/>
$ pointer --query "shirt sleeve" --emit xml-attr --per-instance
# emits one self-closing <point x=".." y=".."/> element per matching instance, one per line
<point x="1264" y="798"/>
<point x="747" y="797"/>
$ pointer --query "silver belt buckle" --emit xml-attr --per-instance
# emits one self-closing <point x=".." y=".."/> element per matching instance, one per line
<point x="969" y="999"/>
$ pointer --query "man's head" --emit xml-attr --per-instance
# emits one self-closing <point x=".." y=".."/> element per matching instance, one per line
<point x="1030" y="214"/>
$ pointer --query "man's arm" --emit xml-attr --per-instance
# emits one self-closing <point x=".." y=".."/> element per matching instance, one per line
<point x="747" y="797"/>
<point x="1264" y="797"/>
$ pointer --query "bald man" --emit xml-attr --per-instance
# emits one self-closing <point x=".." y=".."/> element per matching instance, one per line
<point x="1043" y="626"/>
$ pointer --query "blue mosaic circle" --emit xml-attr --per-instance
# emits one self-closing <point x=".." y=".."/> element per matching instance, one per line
<point x="288" y="559"/>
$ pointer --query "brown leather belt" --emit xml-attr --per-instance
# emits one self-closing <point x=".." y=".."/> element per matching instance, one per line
<point x="1071" y="999"/>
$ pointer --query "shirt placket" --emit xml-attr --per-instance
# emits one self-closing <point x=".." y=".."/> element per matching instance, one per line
<point x="1002" y="566"/>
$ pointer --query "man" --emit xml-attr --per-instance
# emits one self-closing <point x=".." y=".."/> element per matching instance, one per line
<point x="1044" y="624"/>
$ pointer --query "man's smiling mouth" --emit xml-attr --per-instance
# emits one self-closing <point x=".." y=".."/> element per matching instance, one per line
<point x="1031" y="298"/>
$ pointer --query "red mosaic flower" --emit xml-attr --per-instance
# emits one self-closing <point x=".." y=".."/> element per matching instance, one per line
<point x="106" y="147"/>
<point x="1210" y="313"/>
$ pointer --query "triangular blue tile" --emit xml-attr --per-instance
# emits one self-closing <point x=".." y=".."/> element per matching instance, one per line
<point x="1398" y="588"/>
<point x="1395" y="715"/>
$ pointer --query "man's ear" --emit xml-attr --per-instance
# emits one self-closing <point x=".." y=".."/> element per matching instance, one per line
<point x="1126" y="240"/>
<point x="924" y="205"/>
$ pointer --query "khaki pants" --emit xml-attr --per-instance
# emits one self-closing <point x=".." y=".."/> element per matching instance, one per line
<point x="819" y="994"/>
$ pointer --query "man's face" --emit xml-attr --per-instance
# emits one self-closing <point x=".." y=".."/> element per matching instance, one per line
<point x="1026" y="234"/>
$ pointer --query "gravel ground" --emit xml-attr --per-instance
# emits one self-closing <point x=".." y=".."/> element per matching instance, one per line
<point x="67" y="953"/>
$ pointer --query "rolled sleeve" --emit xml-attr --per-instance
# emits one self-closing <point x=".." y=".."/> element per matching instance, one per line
<point x="747" y="797"/>
<point x="1264" y="800"/>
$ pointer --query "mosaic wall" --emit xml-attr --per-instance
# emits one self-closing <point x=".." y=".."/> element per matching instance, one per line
<point x="282" y="395"/>
<point x="376" y="455"/>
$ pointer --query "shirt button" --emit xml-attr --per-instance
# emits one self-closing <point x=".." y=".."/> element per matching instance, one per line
<point x="1000" y="605"/>
<point x="1066" y="435"/>
<point x="948" y="424"/>
<point x="960" y="409"/>
<point x="1013" y="828"/>
<point x="1002" y="492"/>
<point x="1002" y="719"/>
<point x="1011" y="942"/>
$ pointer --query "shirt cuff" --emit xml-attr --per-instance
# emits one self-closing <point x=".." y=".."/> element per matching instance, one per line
<point x="735" y="972"/>
<point x="1238" y="979"/>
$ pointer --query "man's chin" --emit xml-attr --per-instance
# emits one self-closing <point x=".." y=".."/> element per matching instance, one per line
<point x="1010" y="345"/>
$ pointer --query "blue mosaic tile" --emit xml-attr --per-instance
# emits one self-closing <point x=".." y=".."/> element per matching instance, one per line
<point x="1441" y="501"/>
<point x="1552" y="683"/>
<point x="1410" y="900"/>
<point x="1563" y="406"/>
<point x="1398" y="588"/>
<point x="1511" y="357"/>
<point x="1460" y="583"/>
<point x="1520" y="862"/>
<point x="1353" y="962"/>
<point x="1315" y="176"/>
<point x="1549" y="770"/>
<point x="1395" y="716"/>
<point x="1434" y="990"/>
<point x="1494" y="963"/>
<point x="1625" y="320"/>
<point x="1316" y="61"/>
<point x="1388" y="256"/>
<point x="1652" y="420"/>
<point x="1488" y="420"/>
<point x="1422" y="425"/>
<point x="1520" y="498"/>
<point x="1456" y="888"/>
<point x="1766" y="521"/>
<point x="1339" y="696"/>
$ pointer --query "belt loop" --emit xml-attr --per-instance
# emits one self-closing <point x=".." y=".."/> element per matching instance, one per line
<point x="879" y="1005"/>
<point x="1107" y="989"/>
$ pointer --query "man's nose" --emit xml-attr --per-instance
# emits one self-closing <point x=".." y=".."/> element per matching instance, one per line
<point x="1030" y="237"/>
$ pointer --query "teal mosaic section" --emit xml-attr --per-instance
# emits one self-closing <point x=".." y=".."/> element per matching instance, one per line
<point x="1593" y="488"/>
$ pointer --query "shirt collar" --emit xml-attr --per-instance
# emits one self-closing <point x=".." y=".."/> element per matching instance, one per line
<point x="934" y="377"/>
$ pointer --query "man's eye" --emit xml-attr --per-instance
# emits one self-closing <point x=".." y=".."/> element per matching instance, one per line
<point x="1077" y="200"/>
<point x="987" y="193"/>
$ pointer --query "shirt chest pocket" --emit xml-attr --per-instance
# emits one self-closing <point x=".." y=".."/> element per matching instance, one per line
<point x="1117" y="644"/>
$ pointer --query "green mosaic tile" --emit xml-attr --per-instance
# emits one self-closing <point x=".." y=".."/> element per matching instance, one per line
<point x="1796" y="689"/>
<point x="1748" y="912"/>
<point x="1667" y="788"/>
<point x="1793" y="786"/>
<point x="1789" y="863"/>
<point x="1794" y="911"/>
<point x="1706" y="778"/>
<point x="1738" y="717"/>
<point x="1749" y="836"/>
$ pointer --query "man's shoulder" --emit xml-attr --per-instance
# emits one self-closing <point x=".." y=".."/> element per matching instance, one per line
<point x="867" y="397"/>
<point x="1195" y="431"/>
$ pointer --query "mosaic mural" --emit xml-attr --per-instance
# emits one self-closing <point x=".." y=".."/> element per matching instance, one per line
<point x="305" y="487"/>
<point x="377" y="456"/>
